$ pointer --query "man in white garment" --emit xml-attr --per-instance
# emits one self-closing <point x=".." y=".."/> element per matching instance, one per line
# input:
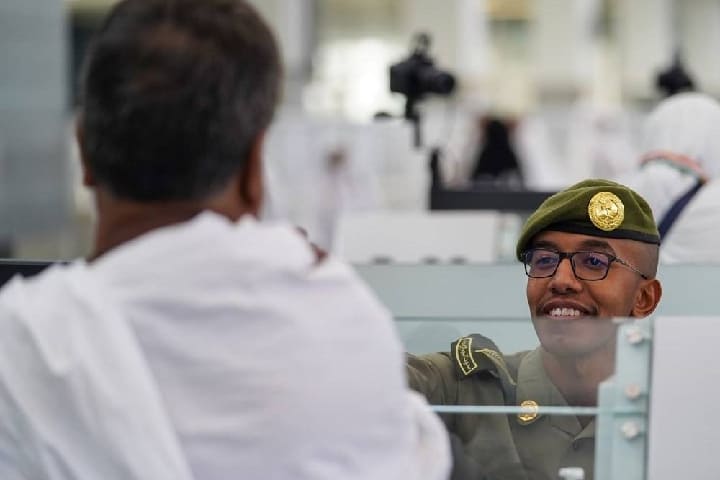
<point x="680" y="154"/>
<point x="197" y="343"/>
<point x="680" y="176"/>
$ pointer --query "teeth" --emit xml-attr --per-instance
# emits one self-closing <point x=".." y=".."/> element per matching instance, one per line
<point x="564" y="312"/>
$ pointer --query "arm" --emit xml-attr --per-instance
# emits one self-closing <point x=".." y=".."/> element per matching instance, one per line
<point x="433" y="376"/>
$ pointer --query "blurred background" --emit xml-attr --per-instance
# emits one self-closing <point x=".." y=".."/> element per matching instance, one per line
<point x="497" y="103"/>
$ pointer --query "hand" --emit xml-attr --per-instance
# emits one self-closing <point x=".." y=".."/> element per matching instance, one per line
<point x="320" y="254"/>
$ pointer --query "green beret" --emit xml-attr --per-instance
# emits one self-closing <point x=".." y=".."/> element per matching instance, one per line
<point x="600" y="208"/>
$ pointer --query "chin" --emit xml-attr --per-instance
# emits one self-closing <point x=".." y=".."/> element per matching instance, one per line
<point x="562" y="346"/>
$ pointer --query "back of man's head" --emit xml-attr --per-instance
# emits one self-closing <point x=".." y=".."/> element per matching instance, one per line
<point x="175" y="94"/>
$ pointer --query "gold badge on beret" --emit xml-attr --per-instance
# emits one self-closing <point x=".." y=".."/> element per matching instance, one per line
<point x="530" y="411"/>
<point x="606" y="211"/>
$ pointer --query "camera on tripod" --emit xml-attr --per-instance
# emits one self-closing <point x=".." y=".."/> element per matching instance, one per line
<point x="417" y="76"/>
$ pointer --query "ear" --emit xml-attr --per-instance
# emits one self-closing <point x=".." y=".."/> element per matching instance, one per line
<point x="87" y="177"/>
<point x="647" y="298"/>
<point x="251" y="179"/>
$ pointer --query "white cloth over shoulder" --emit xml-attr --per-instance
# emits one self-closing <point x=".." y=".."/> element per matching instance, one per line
<point x="77" y="400"/>
<point x="693" y="237"/>
<point x="210" y="350"/>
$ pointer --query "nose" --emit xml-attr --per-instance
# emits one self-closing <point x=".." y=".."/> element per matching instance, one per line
<point x="564" y="280"/>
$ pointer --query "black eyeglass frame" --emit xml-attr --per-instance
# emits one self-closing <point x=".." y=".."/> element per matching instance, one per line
<point x="570" y="256"/>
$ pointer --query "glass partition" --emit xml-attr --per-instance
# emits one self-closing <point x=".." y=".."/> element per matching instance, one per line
<point x="516" y="410"/>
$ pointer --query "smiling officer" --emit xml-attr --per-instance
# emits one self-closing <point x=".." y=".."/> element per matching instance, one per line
<point x="590" y="253"/>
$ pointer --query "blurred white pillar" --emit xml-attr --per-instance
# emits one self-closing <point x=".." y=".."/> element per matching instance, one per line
<point x="646" y="43"/>
<point x="472" y="38"/>
<point x="562" y="43"/>
<point x="438" y="20"/>
<point x="293" y="22"/>
<point x="700" y="42"/>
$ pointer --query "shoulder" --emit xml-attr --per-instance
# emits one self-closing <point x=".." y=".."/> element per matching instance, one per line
<point x="54" y="284"/>
<point x="474" y="361"/>
<point x="468" y="356"/>
<point x="473" y="354"/>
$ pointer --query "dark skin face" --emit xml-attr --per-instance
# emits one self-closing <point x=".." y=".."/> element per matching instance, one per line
<point x="571" y="316"/>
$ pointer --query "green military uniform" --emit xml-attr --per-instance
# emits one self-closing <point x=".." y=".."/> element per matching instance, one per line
<point x="503" y="446"/>
<point x="532" y="446"/>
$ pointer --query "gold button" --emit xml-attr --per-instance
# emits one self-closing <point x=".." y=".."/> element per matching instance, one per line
<point x="606" y="211"/>
<point x="530" y="411"/>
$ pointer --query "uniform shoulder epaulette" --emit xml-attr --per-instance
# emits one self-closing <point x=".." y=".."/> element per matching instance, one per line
<point x="476" y="353"/>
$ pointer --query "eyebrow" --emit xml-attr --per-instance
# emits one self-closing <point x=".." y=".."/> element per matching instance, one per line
<point x="584" y="245"/>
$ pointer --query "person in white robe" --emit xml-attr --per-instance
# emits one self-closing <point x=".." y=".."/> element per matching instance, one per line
<point x="681" y="152"/>
<point x="196" y="343"/>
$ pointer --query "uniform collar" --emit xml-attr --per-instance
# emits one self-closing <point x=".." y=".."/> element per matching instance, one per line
<point x="535" y="385"/>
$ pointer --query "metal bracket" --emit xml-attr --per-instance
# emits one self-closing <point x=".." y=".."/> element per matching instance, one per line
<point x="621" y="440"/>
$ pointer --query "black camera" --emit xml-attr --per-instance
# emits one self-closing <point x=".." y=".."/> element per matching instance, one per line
<point x="417" y="75"/>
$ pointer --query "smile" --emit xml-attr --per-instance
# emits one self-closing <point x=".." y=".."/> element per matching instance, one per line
<point x="564" y="312"/>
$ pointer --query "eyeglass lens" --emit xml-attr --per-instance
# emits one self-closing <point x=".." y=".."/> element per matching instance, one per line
<point x="541" y="263"/>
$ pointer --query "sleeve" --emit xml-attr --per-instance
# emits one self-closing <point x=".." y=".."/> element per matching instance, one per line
<point x="434" y="376"/>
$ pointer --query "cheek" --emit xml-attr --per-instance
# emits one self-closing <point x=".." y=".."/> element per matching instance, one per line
<point x="615" y="300"/>
<point x="534" y="292"/>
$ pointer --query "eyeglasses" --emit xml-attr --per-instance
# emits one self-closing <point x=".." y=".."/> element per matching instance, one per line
<point x="543" y="263"/>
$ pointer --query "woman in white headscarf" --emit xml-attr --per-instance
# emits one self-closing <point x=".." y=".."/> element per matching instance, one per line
<point x="681" y="145"/>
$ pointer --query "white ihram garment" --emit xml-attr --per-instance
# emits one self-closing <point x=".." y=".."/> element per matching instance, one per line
<point x="210" y="350"/>
<point x="681" y="145"/>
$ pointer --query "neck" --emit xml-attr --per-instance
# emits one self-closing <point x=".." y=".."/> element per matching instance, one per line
<point x="578" y="377"/>
<point x="120" y="221"/>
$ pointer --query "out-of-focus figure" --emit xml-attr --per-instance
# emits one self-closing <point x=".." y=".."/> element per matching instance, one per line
<point x="675" y="79"/>
<point x="563" y="144"/>
<point x="496" y="159"/>
<point x="681" y="145"/>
